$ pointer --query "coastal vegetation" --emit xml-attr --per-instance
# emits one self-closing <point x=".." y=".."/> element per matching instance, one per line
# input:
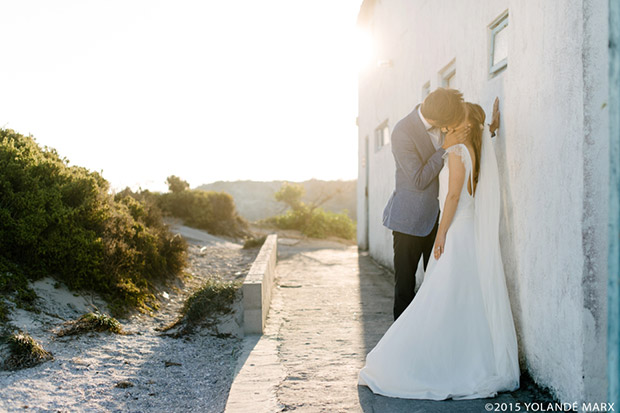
<point x="24" y="351"/>
<point x="215" y="297"/>
<point x="211" y="211"/>
<point x="255" y="200"/>
<point x="62" y="220"/>
<point x="254" y="242"/>
<point x="96" y="321"/>
<point x="310" y="218"/>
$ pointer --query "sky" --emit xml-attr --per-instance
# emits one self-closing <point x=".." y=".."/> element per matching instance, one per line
<point x="206" y="90"/>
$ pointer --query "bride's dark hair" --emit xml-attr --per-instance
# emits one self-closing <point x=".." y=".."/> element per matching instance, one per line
<point x="476" y="116"/>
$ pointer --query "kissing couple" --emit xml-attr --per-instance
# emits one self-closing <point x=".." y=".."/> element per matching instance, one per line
<point x="455" y="338"/>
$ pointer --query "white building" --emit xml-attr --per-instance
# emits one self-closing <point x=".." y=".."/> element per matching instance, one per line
<point x="547" y="62"/>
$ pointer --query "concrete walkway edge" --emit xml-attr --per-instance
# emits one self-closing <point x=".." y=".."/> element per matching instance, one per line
<point x="257" y="287"/>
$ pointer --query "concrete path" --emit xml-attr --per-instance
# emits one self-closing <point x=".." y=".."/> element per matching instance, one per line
<point x="330" y="307"/>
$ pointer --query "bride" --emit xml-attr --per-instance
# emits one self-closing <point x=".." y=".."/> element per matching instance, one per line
<point x="456" y="339"/>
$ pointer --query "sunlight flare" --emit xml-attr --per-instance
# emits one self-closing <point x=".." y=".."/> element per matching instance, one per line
<point x="364" y="47"/>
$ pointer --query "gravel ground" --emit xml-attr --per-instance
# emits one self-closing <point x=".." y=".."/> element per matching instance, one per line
<point x="144" y="370"/>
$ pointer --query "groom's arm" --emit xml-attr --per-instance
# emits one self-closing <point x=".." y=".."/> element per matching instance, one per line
<point x="406" y="155"/>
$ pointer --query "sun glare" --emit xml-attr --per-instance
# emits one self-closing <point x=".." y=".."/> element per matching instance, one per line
<point x="229" y="87"/>
<point x="364" y="47"/>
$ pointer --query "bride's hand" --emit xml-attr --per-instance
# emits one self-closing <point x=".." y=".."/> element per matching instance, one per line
<point x="494" y="126"/>
<point x="438" y="248"/>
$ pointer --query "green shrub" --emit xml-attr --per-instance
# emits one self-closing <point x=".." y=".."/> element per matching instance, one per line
<point x="310" y="219"/>
<point x="316" y="223"/>
<point x="254" y="242"/>
<point x="24" y="352"/>
<point x="176" y="184"/>
<point x="91" y="322"/>
<point x="215" y="297"/>
<point x="212" y="211"/>
<point x="291" y="195"/>
<point x="60" y="220"/>
<point x="14" y="284"/>
<point x="325" y="224"/>
<point x="4" y="312"/>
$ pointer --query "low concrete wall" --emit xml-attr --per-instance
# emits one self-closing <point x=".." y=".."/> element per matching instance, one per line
<point x="257" y="287"/>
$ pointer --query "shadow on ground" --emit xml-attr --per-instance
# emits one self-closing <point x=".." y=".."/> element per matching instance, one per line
<point x="514" y="401"/>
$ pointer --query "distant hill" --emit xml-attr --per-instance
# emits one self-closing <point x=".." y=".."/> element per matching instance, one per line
<point x="255" y="200"/>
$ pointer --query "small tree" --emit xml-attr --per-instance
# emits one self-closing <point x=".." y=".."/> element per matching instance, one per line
<point x="176" y="184"/>
<point x="291" y="195"/>
<point x="311" y="220"/>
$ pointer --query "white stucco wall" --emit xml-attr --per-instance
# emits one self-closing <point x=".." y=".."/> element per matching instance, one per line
<point x="553" y="133"/>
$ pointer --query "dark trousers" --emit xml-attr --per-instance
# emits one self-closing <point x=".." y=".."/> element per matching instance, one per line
<point x="407" y="252"/>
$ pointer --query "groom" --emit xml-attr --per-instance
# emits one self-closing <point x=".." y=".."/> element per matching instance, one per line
<point x="412" y="212"/>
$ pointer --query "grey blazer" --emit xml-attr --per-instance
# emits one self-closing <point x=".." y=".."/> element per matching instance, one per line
<point x="413" y="207"/>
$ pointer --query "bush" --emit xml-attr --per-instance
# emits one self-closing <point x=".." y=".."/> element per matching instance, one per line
<point x="316" y="223"/>
<point x="14" y="284"/>
<point x="215" y="297"/>
<point x="310" y="219"/>
<point x="24" y="352"/>
<point x="212" y="211"/>
<point x="291" y="195"/>
<point x="176" y="184"/>
<point x="4" y="312"/>
<point x="91" y="322"/>
<point x="254" y="242"/>
<point x="326" y="224"/>
<point x="60" y="220"/>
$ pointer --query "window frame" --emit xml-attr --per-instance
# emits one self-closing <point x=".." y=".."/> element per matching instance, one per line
<point x="497" y="26"/>
<point x="446" y="73"/>
<point x="426" y="89"/>
<point x="382" y="139"/>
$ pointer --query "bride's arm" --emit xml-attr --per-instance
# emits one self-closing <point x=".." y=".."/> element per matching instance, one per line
<point x="455" y="185"/>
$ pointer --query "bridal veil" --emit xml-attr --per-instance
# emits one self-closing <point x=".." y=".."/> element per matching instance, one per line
<point x="491" y="268"/>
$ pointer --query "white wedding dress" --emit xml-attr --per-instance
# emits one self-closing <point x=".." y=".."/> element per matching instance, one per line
<point x="456" y="339"/>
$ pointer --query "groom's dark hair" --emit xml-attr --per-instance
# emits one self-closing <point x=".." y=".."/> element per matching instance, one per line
<point x="444" y="106"/>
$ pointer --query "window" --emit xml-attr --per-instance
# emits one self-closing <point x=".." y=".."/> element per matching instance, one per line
<point x="382" y="136"/>
<point x="498" y="51"/>
<point x="448" y="75"/>
<point x="449" y="80"/>
<point x="426" y="89"/>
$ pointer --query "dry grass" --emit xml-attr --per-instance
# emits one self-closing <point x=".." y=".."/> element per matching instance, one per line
<point x="214" y="298"/>
<point x="91" y="322"/>
<point x="24" y="352"/>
